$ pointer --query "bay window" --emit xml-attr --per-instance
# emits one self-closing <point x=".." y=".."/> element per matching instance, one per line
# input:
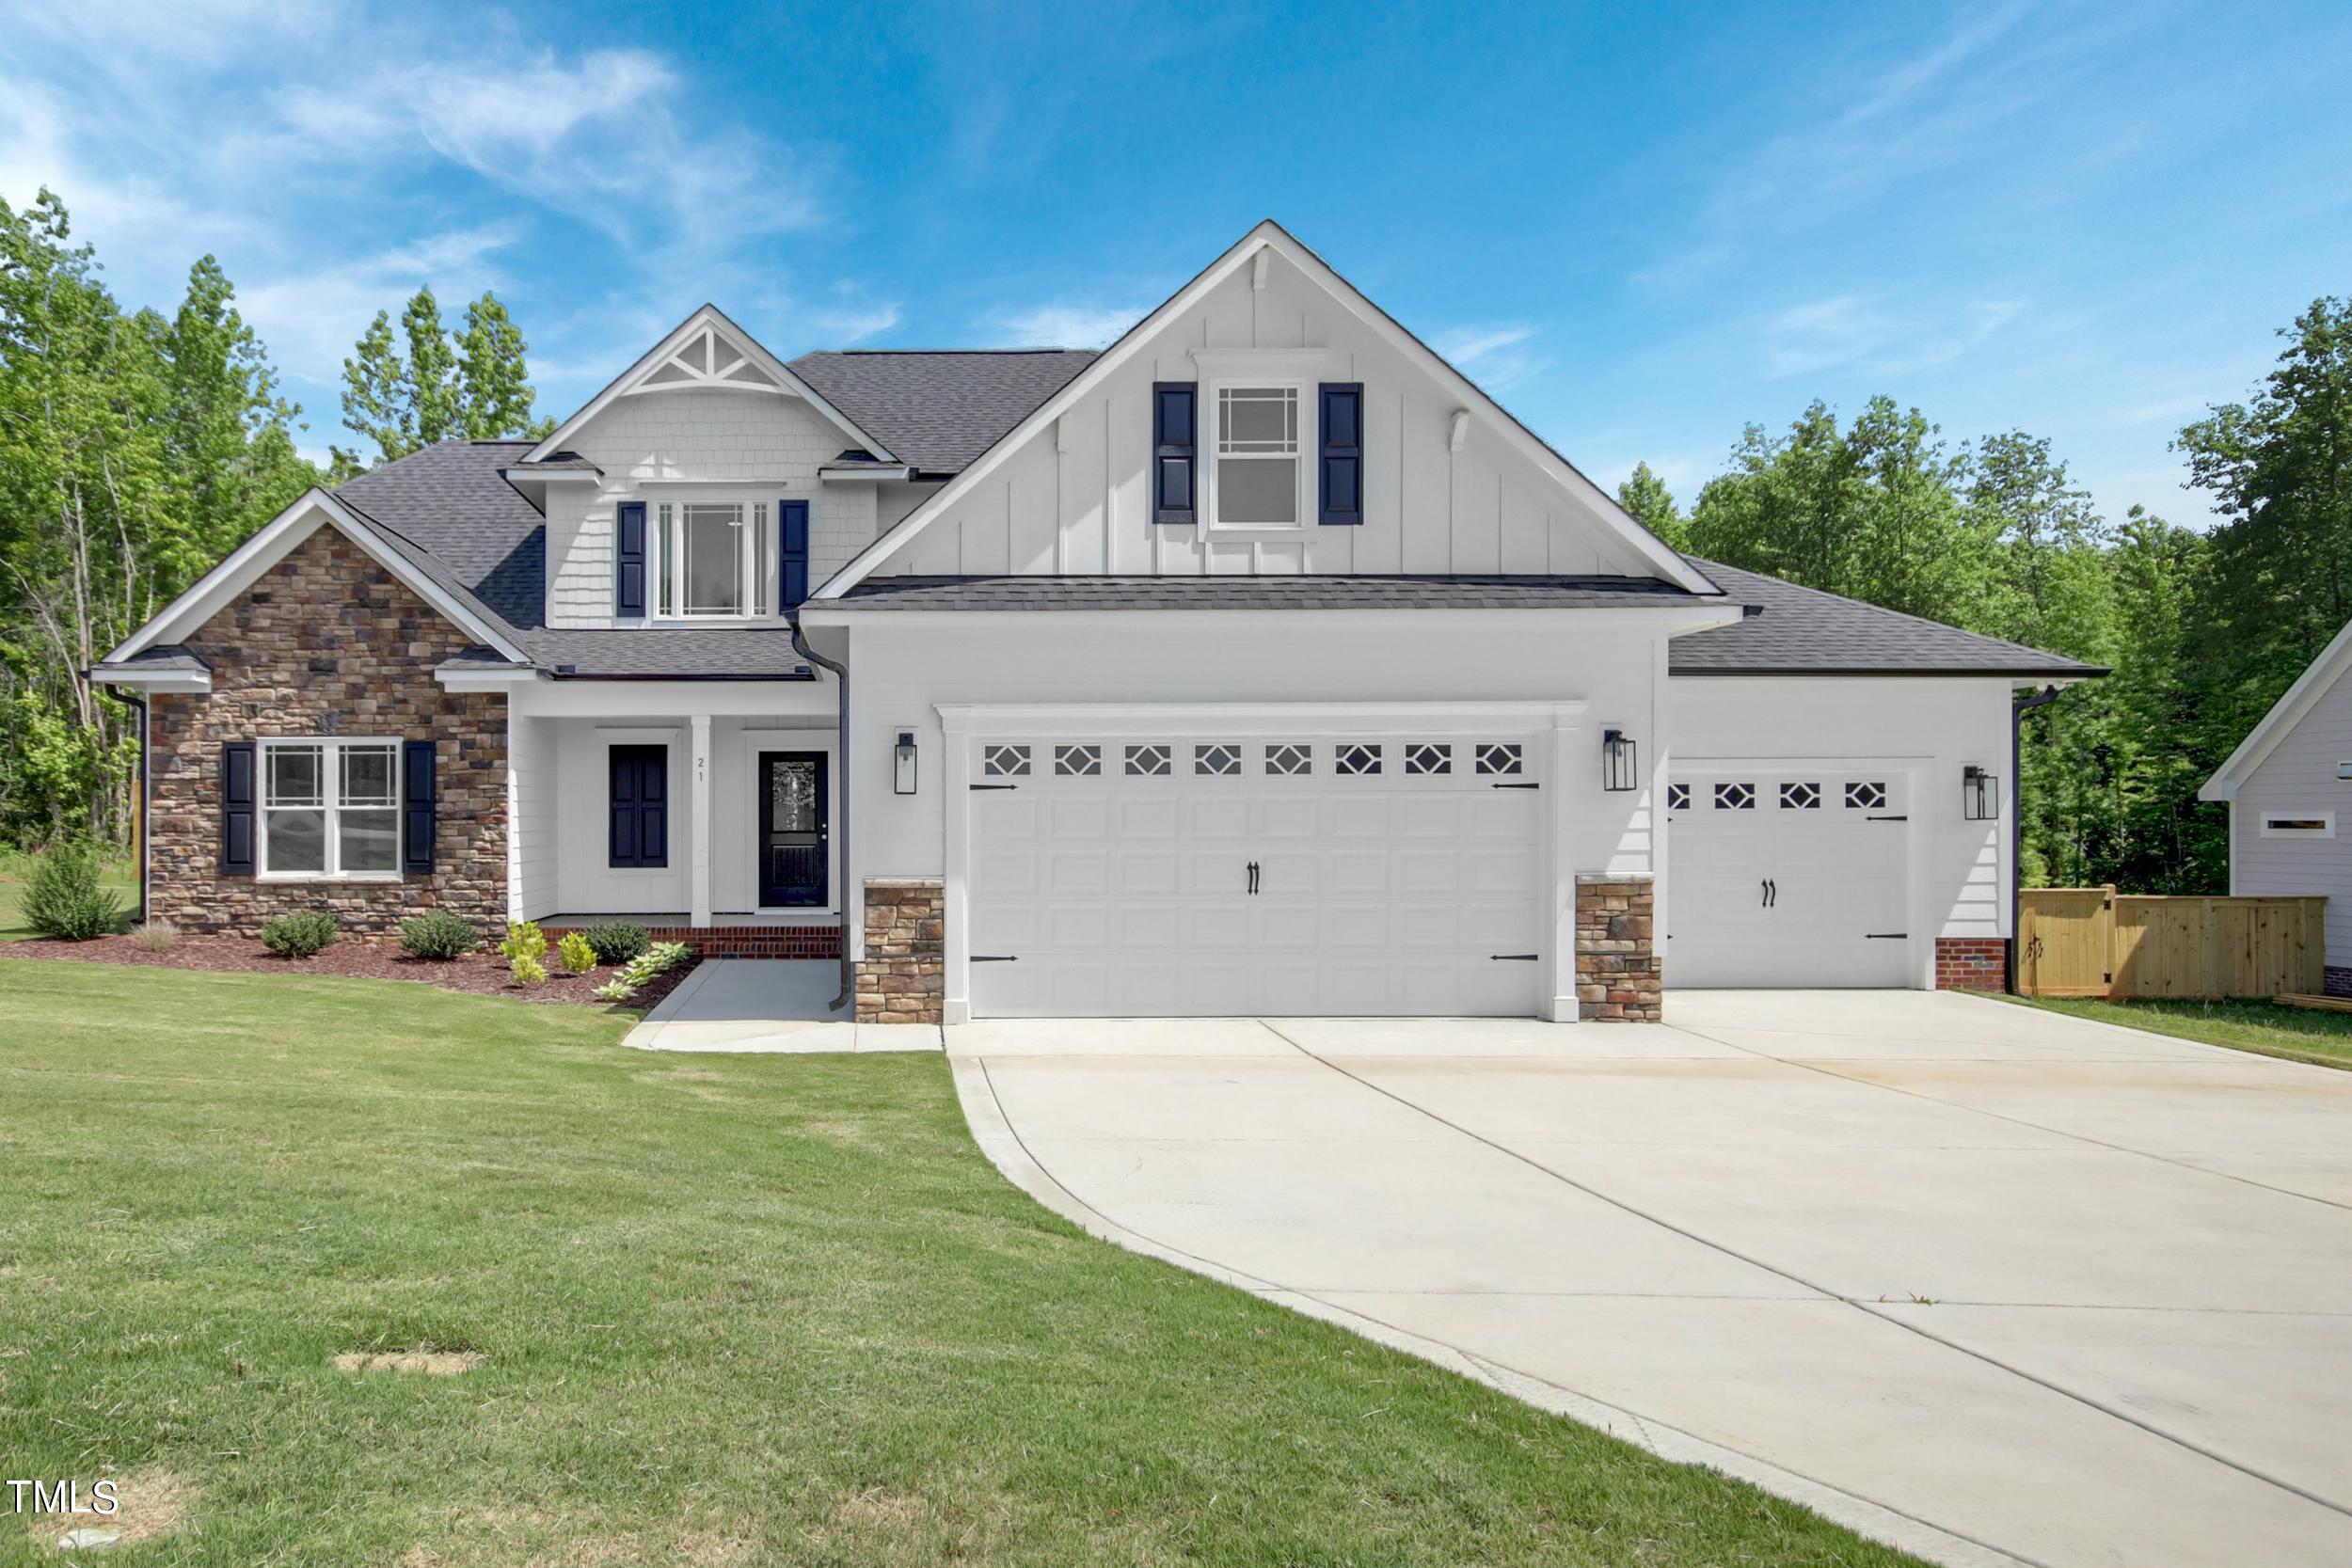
<point x="330" y="808"/>
<point x="713" y="557"/>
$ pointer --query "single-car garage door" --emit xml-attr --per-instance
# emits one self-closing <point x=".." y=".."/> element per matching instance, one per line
<point x="1206" y="873"/>
<point x="1788" y="878"/>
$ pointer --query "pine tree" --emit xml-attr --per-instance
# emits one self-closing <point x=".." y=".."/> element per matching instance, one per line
<point x="476" y="387"/>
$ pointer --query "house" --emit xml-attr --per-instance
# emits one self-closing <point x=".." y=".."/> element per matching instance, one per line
<point x="1258" y="664"/>
<point x="2283" y="784"/>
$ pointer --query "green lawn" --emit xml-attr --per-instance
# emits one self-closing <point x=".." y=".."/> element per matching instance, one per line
<point x="735" y="1310"/>
<point x="13" y="869"/>
<point x="2262" y="1027"/>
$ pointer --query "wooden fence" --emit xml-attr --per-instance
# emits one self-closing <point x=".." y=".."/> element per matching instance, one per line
<point x="2096" y="942"/>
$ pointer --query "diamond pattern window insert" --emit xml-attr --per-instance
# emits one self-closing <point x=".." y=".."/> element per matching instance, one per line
<point x="1500" y="756"/>
<point x="1290" y="759"/>
<point x="1428" y="756"/>
<point x="1002" y="761"/>
<point x="1734" y="796"/>
<point x="1677" y="797"/>
<point x="1216" y="761"/>
<point x="1799" y="797"/>
<point x="1079" y="762"/>
<point x="1359" y="758"/>
<point x="1147" y="762"/>
<point x="1864" y="797"/>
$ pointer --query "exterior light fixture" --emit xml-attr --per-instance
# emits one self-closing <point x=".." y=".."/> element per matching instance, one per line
<point x="1979" y="794"/>
<point x="1616" y="760"/>
<point x="902" y="764"/>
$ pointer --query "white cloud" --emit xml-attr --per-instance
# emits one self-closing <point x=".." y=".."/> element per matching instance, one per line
<point x="1066" y="326"/>
<point x="851" y="323"/>
<point x="1851" y="329"/>
<point x="1492" y="355"/>
<point x="311" y="320"/>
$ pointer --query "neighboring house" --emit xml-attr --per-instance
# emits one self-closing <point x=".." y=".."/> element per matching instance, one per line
<point x="2286" y="784"/>
<point x="1259" y="663"/>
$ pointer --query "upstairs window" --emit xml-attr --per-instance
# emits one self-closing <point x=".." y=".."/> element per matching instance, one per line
<point x="1258" y="456"/>
<point x="716" y="558"/>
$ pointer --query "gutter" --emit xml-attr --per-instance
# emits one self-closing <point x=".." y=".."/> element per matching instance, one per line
<point x="2017" y="824"/>
<point x="146" y="792"/>
<point x="842" y="794"/>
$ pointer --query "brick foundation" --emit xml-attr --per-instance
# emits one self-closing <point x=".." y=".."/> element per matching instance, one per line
<point x="1971" y="963"/>
<point x="1618" y="968"/>
<point x="902" y="977"/>
<point x="326" y="642"/>
<point x="734" y="942"/>
<point x="2336" y="982"/>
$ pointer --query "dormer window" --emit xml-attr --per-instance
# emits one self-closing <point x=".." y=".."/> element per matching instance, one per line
<point x="714" y="558"/>
<point x="1258" y="464"/>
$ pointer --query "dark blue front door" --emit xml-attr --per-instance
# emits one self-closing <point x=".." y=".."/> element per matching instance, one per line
<point x="792" y="828"/>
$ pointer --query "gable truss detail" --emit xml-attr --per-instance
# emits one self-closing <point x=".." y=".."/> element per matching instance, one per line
<point x="706" y="360"/>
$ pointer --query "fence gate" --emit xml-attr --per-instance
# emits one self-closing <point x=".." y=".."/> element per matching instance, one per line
<point x="2064" y="936"/>
<point x="2089" y="942"/>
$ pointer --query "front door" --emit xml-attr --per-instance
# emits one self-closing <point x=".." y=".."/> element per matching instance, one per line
<point x="792" y="858"/>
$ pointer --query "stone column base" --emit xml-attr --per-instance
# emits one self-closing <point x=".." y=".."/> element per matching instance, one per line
<point x="1618" y="974"/>
<point x="903" y="976"/>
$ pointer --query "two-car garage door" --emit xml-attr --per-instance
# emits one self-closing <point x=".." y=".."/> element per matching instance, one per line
<point x="1249" y="874"/>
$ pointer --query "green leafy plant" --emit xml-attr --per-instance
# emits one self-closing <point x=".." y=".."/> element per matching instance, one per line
<point x="526" y="951"/>
<point x="617" y="942"/>
<point x="440" y="935"/>
<point x="614" y="990"/>
<point x="156" y="936"/>
<point x="659" y="957"/>
<point x="302" y="934"/>
<point x="579" y="956"/>
<point x="63" y="898"/>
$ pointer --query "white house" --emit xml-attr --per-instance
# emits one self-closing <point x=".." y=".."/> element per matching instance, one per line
<point x="2285" y="784"/>
<point x="1259" y="664"/>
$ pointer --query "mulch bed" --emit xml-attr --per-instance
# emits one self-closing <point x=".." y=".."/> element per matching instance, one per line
<point x="482" y="973"/>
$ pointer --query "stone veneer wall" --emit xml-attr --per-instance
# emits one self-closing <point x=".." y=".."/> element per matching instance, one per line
<point x="1617" y="969"/>
<point x="1971" y="963"/>
<point x="902" y="978"/>
<point x="326" y="642"/>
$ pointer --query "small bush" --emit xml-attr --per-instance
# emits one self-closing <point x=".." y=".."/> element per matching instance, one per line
<point x="579" y="958"/>
<point x="303" y="934"/>
<point x="617" y="942"/>
<point x="614" y="990"/>
<point x="440" y="935"/>
<point x="62" y="898"/>
<point x="662" y="955"/>
<point x="156" y="936"/>
<point x="526" y="951"/>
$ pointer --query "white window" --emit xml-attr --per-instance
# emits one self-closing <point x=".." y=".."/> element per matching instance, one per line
<point x="330" y="808"/>
<point x="1258" y="466"/>
<point x="713" y="557"/>
<point x="2299" y="823"/>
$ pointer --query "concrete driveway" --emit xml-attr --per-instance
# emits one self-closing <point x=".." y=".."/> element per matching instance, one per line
<point x="1988" y="1283"/>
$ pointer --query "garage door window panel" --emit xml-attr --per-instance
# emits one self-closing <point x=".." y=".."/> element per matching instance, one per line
<point x="1079" y="762"/>
<point x="1149" y="762"/>
<point x="1219" y="761"/>
<point x="1290" y="760"/>
<point x="1501" y="758"/>
<point x="1358" y="759"/>
<point x="1002" y="761"/>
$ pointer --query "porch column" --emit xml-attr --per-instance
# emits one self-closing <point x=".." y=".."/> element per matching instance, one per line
<point x="698" y="808"/>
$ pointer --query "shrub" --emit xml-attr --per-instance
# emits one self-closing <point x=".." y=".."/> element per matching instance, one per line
<point x="616" y="941"/>
<point x="579" y="958"/>
<point x="662" y="955"/>
<point x="301" y="934"/>
<point x="63" y="899"/>
<point x="156" y="936"/>
<point x="614" y="990"/>
<point x="439" y="934"/>
<point x="526" y="950"/>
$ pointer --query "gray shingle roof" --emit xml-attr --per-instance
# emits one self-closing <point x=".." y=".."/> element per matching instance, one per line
<point x="468" y="524"/>
<point x="939" y="409"/>
<point x="645" y="653"/>
<point x="1805" y="631"/>
<point x="1262" y="593"/>
<point x="164" y="656"/>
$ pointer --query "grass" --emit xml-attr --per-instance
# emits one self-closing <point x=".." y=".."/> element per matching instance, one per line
<point x="730" y="1310"/>
<point x="2300" y="1034"/>
<point x="14" y="868"/>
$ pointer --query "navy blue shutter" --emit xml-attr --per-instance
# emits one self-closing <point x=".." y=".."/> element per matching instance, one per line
<point x="419" y="794"/>
<point x="236" y="809"/>
<point x="792" y="557"/>
<point x="1173" y="468"/>
<point x="1342" y="485"/>
<point x="641" y="810"/>
<point x="628" y="559"/>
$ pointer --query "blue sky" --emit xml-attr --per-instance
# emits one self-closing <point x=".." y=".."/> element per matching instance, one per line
<point x="1642" y="228"/>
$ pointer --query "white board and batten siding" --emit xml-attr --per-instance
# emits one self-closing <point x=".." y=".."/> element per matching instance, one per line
<point x="2298" y="781"/>
<point x="1073" y="498"/>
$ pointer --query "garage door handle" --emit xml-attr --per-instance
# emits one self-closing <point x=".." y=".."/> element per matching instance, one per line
<point x="1253" y="878"/>
<point x="1512" y="957"/>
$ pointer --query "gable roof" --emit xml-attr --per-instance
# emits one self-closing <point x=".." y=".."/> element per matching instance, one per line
<point x="1272" y="236"/>
<point x="2298" y="700"/>
<point x="466" y="523"/>
<point x="1805" y="631"/>
<point x="1289" y="592"/>
<point x="940" y="409"/>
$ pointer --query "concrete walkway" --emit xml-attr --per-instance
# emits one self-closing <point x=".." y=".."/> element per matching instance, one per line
<point x="1988" y="1283"/>
<point x="773" y="1005"/>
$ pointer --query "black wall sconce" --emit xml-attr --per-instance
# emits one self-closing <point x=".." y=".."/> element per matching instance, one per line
<point x="1616" y="760"/>
<point x="1979" y="794"/>
<point x="902" y="764"/>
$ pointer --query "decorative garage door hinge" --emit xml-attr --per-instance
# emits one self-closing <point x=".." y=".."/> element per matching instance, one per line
<point x="1518" y="787"/>
<point x="1896" y="817"/>
<point x="1512" y="957"/>
<point x="1885" y="936"/>
<point x="993" y="958"/>
<point x="993" y="786"/>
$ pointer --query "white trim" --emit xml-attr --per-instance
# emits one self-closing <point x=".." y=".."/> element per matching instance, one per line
<point x="2276" y="725"/>
<point x="1257" y="719"/>
<point x="157" y="680"/>
<point x="330" y="749"/>
<point x="861" y="473"/>
<point x="1688" y="615"/>
<point x="275" y="540"/>
<point x="487" y="678"/>
<point x="710" y="318"/>
<point x="2271" y="821"/>
<point x="1270" y="235"/>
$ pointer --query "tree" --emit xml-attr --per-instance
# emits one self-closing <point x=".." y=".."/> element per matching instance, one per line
<point x="475" y="388"/>
<point x="1647" y="501"/>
